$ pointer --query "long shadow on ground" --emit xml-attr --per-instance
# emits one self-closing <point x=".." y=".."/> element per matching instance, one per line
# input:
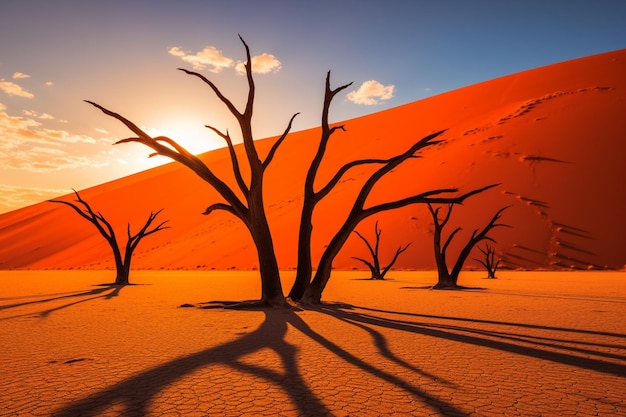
<point x="552" y="349"/>
<point x="106" y="291"/>
<point x="136" y="393"/>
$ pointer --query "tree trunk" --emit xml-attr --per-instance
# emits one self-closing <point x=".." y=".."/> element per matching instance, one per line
<point x="376" y="274"/>
<point x="271" y="287"/>
<point x="122" y="277"/>
<point x="445" y="280"/>
<point x="443" y="276"/>
<point x="122" y="267"/>
<point x="304" y="270"/>
<point x="313" y="293"/>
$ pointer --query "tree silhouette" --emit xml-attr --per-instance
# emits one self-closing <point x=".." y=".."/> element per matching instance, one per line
<point x="304" y="269"/>
<point x="310" y="290"/>
<point x="251" y="209"/>
<point x="489" y="260"/>
<point x="122" y="263"/>
<point x="448" y="278"/>
<point x="374" y="265"/>
<point x="313" y="293"/>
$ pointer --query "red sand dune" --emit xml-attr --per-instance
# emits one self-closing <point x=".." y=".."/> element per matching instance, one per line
<point x="553" y="137"/>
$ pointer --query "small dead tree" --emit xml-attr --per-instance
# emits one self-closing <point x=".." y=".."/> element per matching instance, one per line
<point x="122" y="263"/>
<point x="448" y="278"/>
<point x="374" y="265"/>
<point x="489" y="260"/>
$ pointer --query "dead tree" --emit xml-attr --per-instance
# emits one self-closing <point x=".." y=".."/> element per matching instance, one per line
<point x="313" y="293"/>
<point x="250" y="209"/>
<point x="448" y="278"/>
<point x="489" y="261"/>
<point x="122" y="263"/>
<point x="306" y="289"/>
<point x="304" y="270"/>
<point x="374" y="265"/>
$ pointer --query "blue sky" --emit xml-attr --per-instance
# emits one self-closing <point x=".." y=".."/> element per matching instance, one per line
<point x="124" y="55"/>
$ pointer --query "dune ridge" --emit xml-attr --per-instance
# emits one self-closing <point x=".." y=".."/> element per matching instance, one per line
<point x="553" y="137"/>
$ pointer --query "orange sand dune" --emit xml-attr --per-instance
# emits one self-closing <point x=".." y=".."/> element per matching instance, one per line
<point x="553" y="137"/>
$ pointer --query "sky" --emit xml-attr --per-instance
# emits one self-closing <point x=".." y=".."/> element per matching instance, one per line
<point x="124" y="55"/>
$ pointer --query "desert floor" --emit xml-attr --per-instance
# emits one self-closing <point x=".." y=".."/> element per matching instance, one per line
<point x="526" y="344"/>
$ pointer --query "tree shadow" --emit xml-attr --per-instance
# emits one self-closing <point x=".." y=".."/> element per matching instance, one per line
<point x="455" y="288"/>
<point x="553" y="349"/>
<point x="105" y="291"/>
<point x="136" y="393"/>
<point x="271" y="334"/>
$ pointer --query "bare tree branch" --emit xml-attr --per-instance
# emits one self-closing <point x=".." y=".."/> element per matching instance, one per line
<point x="231" y="107"/>
<point x="427" y="197"/>
<point x="393" y="163"/>
<point x="185" y="158"/>
<point x="366" y="262"/>
<point x="219" y="206"/>
<point x="234" y="160"/>
<point x="400" y="250"/>
<point x="251" y="88"/>
<point x="444" y="248"/>
<point x="367" y="243"/>
<point x="87" y="213"/>
<point x="342" y="171"/>
<point x="270" y="155"/>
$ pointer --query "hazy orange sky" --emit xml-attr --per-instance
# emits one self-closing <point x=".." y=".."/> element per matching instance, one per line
<point x="124" y="55"/>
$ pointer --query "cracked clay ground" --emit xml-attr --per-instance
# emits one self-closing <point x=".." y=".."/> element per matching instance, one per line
<point x="527" y="344"/>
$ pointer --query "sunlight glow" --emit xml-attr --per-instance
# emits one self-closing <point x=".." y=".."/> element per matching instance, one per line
<point x="193" y="137"/>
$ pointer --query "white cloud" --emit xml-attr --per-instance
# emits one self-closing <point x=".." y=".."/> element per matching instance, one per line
<point x="17" y="75"/>
<point x="13" y="89"/>
<point x="33" y="113"/>
<point x="49" y="83"/>
<point x="13" y="197"/>
<point x="213" y="58"/>
<point x="371" y="92"/>
<point x="261" y="64"/>
<point x="27" y="145"/>
<point x="208" y="57"/>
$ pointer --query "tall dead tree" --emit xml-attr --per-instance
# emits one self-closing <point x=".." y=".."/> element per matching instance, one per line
<point x="304" y="270"/>
<point x="374" y="265"/>
<point x="122" y="262"/>
<point x="448" y="278"/>
<point x="489" y="260"/>
<point x="306" y="289"/>
<point x="359" y="212"/>
<point x="251" y="209"/>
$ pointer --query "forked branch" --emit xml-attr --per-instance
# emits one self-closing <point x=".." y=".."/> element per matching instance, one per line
<point x="276" y="145"/>
<point x="489" y="260"/>
<point x="374" y="265"/>
<point x="122" y="264"/>
<point x="179" y="154"/>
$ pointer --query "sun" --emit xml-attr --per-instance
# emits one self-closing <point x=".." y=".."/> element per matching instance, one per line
<point x="194" y="137"/>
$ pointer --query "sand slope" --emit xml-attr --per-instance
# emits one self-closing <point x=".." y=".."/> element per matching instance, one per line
<point x="553" y="137"/>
